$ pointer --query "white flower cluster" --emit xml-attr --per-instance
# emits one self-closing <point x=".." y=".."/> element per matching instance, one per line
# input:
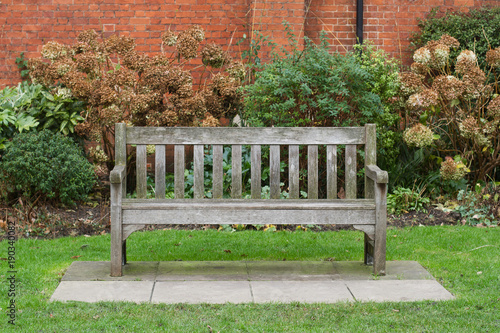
<point x="422" y="56"/>
<point x="418" y="136"/>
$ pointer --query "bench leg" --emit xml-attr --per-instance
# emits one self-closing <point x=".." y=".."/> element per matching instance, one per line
<point x="379" y="251"/>
<point x="124" y="252"/>
<point x="368" y="250"/>
<point x="117" y="244"/>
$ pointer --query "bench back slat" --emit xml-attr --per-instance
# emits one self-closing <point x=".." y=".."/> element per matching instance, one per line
<point x="370" y="158"/>
<point x="198" y="181"/>
<point x="293" y="171"/>
<point x="331" y="171"/>
<point x="312" y="172"/>
<point x="274" y="172"/>
<point x="141" y="171"/>
<point x="236" y="172"/>
<point x="256" y="167"/>
<point x="245" y="135"/>
<point x="160" y="171"/>
<point x="350" y="172"/>
<point x="218" y="172"/>
<point x="179" y="171"/>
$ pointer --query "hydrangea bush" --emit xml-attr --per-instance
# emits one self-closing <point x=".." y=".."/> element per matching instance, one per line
<point x="462" y="107"/>
<point x="121" y="84"/>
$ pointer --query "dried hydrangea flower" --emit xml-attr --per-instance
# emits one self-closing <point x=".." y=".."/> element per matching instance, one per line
<point x="87" y="63"/>
<point x="448" y="87"/>
<point x="465" y="61"/>
<point x="64" y="93"/>
<point x="470" y="129"/>
<point x="449" y="41"/>
<point x="187" y="45"/>
<point x="423" y="99"/>
<point x="98" y="155"/>
<point x="451" y="170"/>
<point x="214" y="56"/>
<point x="197" y="32"/>
<point x="150" y="149"/>
<point x="53" y="50"/>
<point x="418" y="136"/>
<point x="494" y="108"/>
<point x="411" y="83"/>
<point x="210" y="121"/>
<point x="119" y="44"/>
<point x="474" y="80"/>
<point x="440" y="54"/>
<point x="493" y="57"/>
<point x="169" y="38"/>
<point x="237" y="70"/>
<point x="422" y="56"/>
<point x="87" y="36"/>
<point x="419" y="68"/>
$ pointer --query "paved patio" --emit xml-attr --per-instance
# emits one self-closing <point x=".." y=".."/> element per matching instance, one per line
<point x="248" y="282"/>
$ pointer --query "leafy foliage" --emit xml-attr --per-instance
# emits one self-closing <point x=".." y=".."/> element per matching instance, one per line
<point x="32" y="106"/>
<point x="477" y="30"/>
<point x="311" y="87"/>
<point x="45" y="165"/>
<point x="405" y="199"/>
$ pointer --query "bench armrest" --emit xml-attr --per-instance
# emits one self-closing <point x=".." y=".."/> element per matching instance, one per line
<point x="376" y="174"/>
<point x="117" y="174"/>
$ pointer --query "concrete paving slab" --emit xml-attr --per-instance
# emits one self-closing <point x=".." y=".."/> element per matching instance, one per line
<point x="100" y="271"/>
<point x="300" y="291"/>
<point x="290" y="270"/>
<point x="398" y="290"/>
<point x="96" y="291"/>
<point x="202" y="271"/>
<point x="396" y="270"/>
<point x="214" y="292"/>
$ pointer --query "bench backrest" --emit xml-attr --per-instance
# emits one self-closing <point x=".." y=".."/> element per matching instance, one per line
<point x="293" y="137"/>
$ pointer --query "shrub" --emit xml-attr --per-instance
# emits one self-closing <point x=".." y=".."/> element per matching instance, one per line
<point x="32" y="106"/>
<point x="311" y="87"/>
<point x="45" y="165"/>
<point x="121" y="84"/>
<point x="461" y="107"/>
<point x="477" y="30"/>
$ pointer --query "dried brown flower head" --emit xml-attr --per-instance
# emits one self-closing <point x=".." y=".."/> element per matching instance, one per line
<point x="54" y="50"/>
<point x="448" y="87"/>
<point x="418" y="136"/>
<point x="451" y="170"/>
<point x="169" y="38"/>
<point x="449" y="41"/>
<point x="471" y="129"/>
<point x="212" y="55"/>
<point x="466" y="60"/>
<point x="188" y="42"/>
<point x="422" y="56"/>
<point x="88" y="36"/>
<point x="210" y="121"/>
<point x="411" y="83"/>
<point x="419" y="68"/>
<point x="237" y="70"/>
<point x="423" y="99"/>
<point x="119" y="44"/>
<point x="493" y="57"/>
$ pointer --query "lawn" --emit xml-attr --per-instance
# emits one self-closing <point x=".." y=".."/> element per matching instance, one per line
<point x="465" y="260"/>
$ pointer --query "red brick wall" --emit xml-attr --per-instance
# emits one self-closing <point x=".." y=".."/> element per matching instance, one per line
<point x="26" y="24"/>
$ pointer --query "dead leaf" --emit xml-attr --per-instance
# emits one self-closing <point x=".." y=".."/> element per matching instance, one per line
<point x="75" y="257"/>
<point x="227" y="251"/>
<point x="341" y="193"/>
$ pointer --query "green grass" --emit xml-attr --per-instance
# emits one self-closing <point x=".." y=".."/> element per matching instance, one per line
<point x="453" y="255"/>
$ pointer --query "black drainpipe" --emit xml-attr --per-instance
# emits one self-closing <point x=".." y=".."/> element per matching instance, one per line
<point x="359" y="21"/>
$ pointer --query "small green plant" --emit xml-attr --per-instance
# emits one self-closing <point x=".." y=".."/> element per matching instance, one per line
<point x="22" y="65"/>
<point x="40" y="166"/>
<point x="473" y="206"/>
<point x="403" y="200"/>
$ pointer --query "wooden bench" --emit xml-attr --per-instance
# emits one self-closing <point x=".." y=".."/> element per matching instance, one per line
<point x="368" y="214"/>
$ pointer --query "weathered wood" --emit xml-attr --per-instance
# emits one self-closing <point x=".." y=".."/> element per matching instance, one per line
<point x="379" y="255"/>
<point x="218" y="172"/>
<point x="350" y="172"/>
<point x="256" y="175"/>
<point x="274" y="174"/>
<point x="368" y="229"/>
<point x="121" y="151"/>
<point x="331" y="171"/>
<point x="128" y="229"/>
<point x="373" y="172"/>
<point x="179" y="171"/>
<point x="198" y="177"/>
<point x="118" y="174"/>
<point x="160" y="170"/>
<point x="141" y="171"/>
<point x="246" y="135"/>
<point x="116" y="229"/>
<point x="312" y="172"/>
<point x="236" y="172"/>
<point x="293" y="171"/>
<point x="370" y="157"/>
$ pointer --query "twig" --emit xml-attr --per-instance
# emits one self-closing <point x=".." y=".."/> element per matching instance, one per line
<point x="477" y="248"/>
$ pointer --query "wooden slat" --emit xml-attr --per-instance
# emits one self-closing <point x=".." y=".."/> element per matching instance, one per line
<point x="141" y="171"/>
<point x="116" y="229"/>
<point x="179" y="165"/>
<point x="256" y="171"/>
<point x="274" y="166"/>
<point x="198" y="180"/>
<point x="218" y="172"/>
<point x="370" y="157"/>
<point x="246" y="135"/>
<point x="160" y="171"/>
<point x="121" y="151"/>
<point x="312" y="172"/>
<point x="379" y="255"/>
<point x="331" y="171"/>
<point x="236" y="172"/>
<point x="293" y="171"/>
<point x="350" y="171"/>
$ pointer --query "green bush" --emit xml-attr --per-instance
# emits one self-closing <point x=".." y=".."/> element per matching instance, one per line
<point x="311" y="87"/>
<point x="478" y="30"/>
<point x="32" y="106"/>
<point x="45" y="165"/>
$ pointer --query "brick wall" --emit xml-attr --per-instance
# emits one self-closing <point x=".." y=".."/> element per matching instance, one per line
<point x="26" y="24"/>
